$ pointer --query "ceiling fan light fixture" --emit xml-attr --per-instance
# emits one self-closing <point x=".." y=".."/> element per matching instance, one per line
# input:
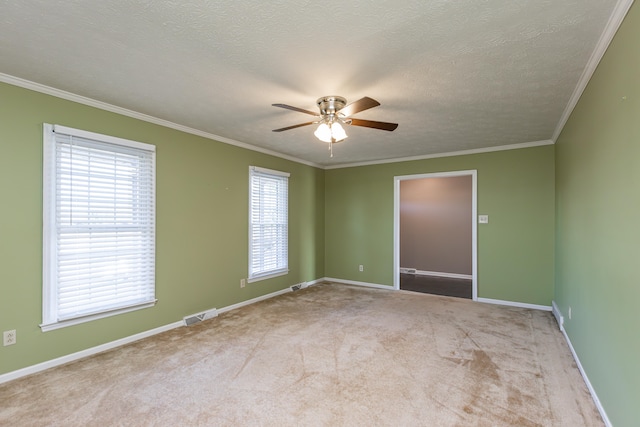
<point x="323" y="133"/>
<point x="333" y="133"/>
<point x="337" y="132"/>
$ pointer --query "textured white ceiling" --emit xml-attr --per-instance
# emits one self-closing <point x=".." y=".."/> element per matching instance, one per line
<point x="456" y="75"/>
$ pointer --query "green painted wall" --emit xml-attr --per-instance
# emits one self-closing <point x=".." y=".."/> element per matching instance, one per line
<point x="515" y="250"/>
<point x="202" y="208"/>
<point x="598" y="231"/>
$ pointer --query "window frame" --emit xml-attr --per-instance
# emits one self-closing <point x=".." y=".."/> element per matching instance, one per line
<point x="50" y="301"/>
<point x="281" y="269"/>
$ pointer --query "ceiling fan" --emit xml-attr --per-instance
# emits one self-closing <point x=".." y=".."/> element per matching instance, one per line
<point x="334" y="112"/>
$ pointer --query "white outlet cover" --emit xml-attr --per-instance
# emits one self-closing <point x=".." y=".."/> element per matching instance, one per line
<point x="483" y="219"/>
<point x="9" y="337"/>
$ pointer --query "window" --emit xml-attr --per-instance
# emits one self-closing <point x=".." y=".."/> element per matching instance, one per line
<point x="268" y="223"/>
<point x="99" y="226"/>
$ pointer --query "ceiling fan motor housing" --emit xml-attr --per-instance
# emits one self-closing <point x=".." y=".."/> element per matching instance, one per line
<point x="330" y="105"/>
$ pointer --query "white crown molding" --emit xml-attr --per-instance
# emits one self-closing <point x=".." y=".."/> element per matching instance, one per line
<point x="37" y="87"/>
<point x="449" y="154"/>
<point x="610" y="30"/>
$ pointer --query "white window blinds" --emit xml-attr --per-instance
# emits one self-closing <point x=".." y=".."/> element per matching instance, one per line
<point x="268" y="223"/>
<point x="99" y="225"/>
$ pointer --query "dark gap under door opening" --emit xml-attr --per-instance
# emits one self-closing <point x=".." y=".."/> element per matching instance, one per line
<point x="460" y="288"/>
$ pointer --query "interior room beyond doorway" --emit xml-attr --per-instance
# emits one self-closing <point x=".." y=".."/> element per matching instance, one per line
<point x="436" y="231"/>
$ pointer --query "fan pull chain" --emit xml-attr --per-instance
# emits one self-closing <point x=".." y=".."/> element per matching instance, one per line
<point x="331" y="149"/>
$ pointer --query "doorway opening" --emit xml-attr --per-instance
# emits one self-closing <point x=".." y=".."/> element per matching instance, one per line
<point x="435" y="233"/>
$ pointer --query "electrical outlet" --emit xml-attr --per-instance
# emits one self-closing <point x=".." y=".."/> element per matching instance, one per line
<point x="361" y="267"/>
<point x="9" y="337"/>
<point x="243" y="282"/>
<point x="569" y="313"/>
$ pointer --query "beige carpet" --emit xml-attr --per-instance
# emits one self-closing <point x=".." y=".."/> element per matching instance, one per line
<point x="327" y="355"/>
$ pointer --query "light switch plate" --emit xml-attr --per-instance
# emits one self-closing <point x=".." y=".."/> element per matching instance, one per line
<point x="483" y="219"/>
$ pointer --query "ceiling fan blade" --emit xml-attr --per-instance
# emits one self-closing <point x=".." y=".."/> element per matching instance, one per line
<point x="294" y="126"/>
<point x="300" y="110"/>
<point x="359" y="105"/>
<point x="374" y="124"/>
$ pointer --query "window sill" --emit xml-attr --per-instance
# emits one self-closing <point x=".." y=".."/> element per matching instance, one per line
<point x="267" y="276"/>
<point x="46" y="327"/>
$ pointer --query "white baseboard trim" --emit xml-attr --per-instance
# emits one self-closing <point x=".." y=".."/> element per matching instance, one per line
<point x="483" y="300"/>
<point x="85" y="353"/>
<point x="592" y="391"/>
<point x="558" y="315"/>
<point x="357" y="283"/>
<point x="436" y="273"/>
<point x="253" y="300"/>
<point x="29" y="370"/>
<point x="560" y="319"/>
<point x="315" y="282"/>
<point x="515" y="304"/>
